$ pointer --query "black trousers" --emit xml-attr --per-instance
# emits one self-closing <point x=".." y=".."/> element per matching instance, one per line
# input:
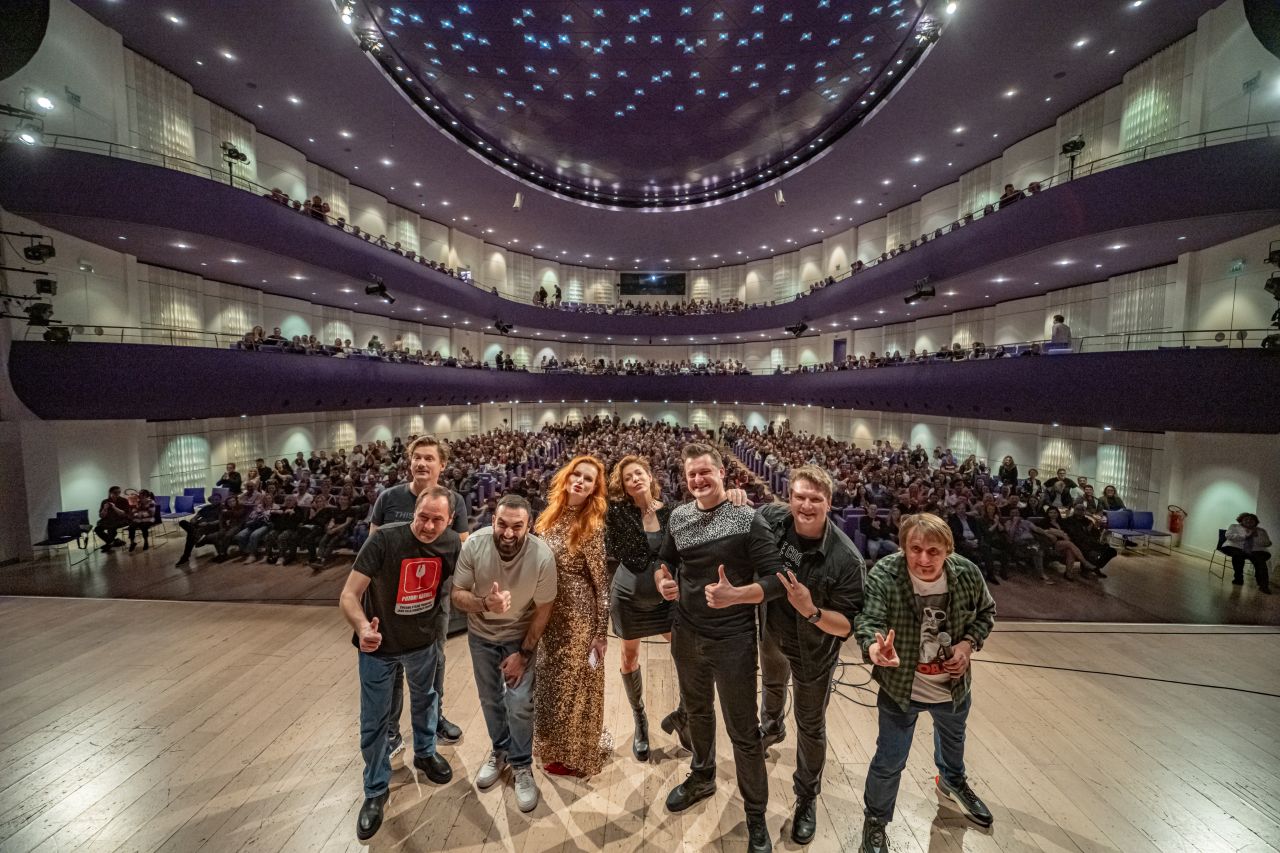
<point x="195" y="533"/>
<point x="705" y="667"/>
<point x="1259" y="560"/>
<point x="810" y="709"/>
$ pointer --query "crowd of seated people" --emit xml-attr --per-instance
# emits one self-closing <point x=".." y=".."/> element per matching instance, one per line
<point x="957" y="352"/>
<point x="320" y="504"/>
<point x="1054" y="528"/>
<point x="666" y="308"/>
<point x="317" y="208"/>
<point x="650" y="367"/>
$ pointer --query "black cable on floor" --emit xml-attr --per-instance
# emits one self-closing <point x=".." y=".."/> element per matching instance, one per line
<point x="1128" y="675"/>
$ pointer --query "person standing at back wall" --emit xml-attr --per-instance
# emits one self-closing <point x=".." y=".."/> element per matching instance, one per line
<point x="427" y="457"/>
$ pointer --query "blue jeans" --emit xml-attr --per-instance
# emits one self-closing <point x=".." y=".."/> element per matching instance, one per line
<point x="508" y="711"/>
<point x="894" y="742"/>
<point x="377" y="676"/>
<point x="397" y="695"/>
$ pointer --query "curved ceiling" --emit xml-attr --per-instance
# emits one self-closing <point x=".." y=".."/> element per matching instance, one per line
<point x="294" y="71"/>
<point x="646" y="104"/>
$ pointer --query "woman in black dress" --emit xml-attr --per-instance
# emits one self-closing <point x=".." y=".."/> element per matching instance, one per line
<point x="635" y="525"/>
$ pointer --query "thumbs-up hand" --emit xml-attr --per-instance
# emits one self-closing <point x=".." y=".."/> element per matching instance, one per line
<point x="498" y="600"/>
<point x="882" y="652"/>
<point x="667" y="586"/>
<point x="721" y="593"/>
<point x="370" y="639"/>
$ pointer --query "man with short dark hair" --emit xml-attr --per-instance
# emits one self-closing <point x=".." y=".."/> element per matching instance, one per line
<point x="726" y="562"/>
<point x="427" y="457"/>
<point x="803" y="632"/>
<point x="113" y="514"/>
<point x="207" y="521"/>
<point x="506" y="584"/>
<point x="392" y="601"/>
<point x="933" y="604"/>
<point x="231" y="480"/>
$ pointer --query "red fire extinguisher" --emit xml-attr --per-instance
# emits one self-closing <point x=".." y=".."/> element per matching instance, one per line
<point x="1176" y="516"/>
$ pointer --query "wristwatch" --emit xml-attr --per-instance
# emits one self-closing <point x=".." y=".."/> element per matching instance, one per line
<point x="526" y="653"/>
<point x="815" y="618"/>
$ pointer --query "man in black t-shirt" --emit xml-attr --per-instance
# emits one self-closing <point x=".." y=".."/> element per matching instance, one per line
<point x="427" y="458"/>
<point x="392" y="599"/>
<point x="113" y="514"/>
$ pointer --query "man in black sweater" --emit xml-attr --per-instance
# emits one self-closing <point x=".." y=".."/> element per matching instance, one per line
<point x="726" y="562"/>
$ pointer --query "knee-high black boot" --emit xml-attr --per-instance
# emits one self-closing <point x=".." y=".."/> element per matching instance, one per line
<point x="634" y="684"/>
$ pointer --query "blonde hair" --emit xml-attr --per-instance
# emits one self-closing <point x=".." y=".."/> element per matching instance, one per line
<point x="815" y="476"/>
<point x="618" y="491"/>
<point x="929" y="527"/>
<point x="593" y="510"/>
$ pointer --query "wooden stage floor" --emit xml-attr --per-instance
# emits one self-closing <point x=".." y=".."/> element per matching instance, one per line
<point x="189" y="726"/>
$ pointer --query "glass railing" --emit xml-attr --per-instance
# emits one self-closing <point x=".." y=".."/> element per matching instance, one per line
<point x="1158" y="339"/>
<point x="1137" y="154"/>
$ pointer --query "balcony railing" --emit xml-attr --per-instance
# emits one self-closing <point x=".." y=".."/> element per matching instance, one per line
<point x="1148" y="339"/>
<point x="1138" y="154"/>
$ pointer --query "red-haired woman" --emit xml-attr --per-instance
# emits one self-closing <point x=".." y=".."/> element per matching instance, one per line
<point x="569" y="694"/>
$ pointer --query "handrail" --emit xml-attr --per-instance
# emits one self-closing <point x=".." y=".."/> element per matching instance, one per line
<point x="1137" y="154"/>
<point x="1144" y="339"/>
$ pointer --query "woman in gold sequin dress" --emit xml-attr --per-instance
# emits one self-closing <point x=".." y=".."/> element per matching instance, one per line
<point x="569" y="694"/>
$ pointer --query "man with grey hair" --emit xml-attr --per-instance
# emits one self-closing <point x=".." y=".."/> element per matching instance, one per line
<point x="392" y="601"/>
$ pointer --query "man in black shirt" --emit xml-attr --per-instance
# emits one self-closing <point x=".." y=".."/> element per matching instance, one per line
<point x="726" y="562"/>
<point x="804" y="631"/>
<point x="392" y="601"/>
<point x="231" y="480"/>
<point x="427" y="458"/>
<point x="204" y="523"/>
<point x="113" y="514"/>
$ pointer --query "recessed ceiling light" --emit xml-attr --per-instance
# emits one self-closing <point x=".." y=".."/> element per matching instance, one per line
<point x="958" y="129"/>
<point x="1011" y="93"/>
<point x="1117" y="247"/>
<point x="294" y="99"/>
<point x="917" y="159"/>
<point x="228" y="55"/>
<point x="345" y="134"/>
<point x="173" y="19"/>
<point x="1081" y="42"/>
<point x="199" y="62"/>
<point x="386" y="161"/>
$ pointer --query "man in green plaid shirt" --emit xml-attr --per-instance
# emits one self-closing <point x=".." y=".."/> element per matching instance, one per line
<point x="926" y="610"/>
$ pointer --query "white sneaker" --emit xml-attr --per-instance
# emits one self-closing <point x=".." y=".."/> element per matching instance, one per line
<point x="526" y="789"/>
<point x="492" y="770"/>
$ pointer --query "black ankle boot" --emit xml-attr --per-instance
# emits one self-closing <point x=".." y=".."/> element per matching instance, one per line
<point x="677" y="723"/>
<point x="634" y="685"/>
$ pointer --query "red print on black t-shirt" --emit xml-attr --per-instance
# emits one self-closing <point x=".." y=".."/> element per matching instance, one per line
<point x="419" y="581"/>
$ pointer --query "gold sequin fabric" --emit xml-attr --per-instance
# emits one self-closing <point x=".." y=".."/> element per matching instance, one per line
<point x="569" y="694"/>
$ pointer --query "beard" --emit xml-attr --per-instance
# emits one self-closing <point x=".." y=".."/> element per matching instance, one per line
<point x="507" y="550"/>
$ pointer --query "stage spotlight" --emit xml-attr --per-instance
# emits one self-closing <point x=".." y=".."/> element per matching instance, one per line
<point x="379" y="290"/>
<point x="29" y="134"/>
<point x="46" y="287"/>
<point x="798" y="329"/>
<point x="1074" y="145"/>
<point x="38" y="313"/>
<point x="57" y="334"/>
<point x="1273" y="253"/>
<point x="779" y="199"/>
<point x="38" y="253"/>
<point x="84" y="266"/>
<point x="922" y="293"/>
<point x="518" y="203"/>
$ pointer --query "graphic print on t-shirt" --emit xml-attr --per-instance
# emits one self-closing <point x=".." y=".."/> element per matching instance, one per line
<point x="933" y="621"/>
<point x="419" y="581"/>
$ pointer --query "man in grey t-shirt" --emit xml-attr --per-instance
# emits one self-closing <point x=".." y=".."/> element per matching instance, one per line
<point x="427" y="458"/>
<point x="506" y="584"/>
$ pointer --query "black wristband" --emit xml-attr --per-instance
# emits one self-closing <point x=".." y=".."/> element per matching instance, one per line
<point x="526" y="653"/>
